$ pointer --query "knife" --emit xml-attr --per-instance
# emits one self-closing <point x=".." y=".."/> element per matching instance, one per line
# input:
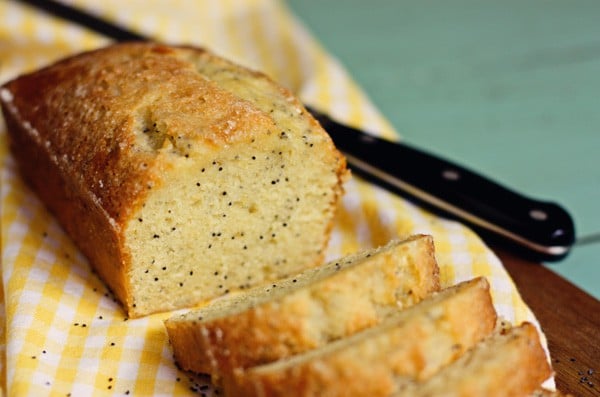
<point x="537" y="230"/>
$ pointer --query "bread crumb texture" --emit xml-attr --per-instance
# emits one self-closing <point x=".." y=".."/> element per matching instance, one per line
<point x="180" y="175"/>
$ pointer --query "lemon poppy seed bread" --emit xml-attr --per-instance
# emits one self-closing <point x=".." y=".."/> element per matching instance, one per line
<point x="305" y="311"/>
<point x="408" y="346"/>
<point x="180" y="175"/>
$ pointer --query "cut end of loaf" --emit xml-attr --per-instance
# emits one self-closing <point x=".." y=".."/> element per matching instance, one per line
<point x="254" y="214"/>
<point x="225" y="220"/>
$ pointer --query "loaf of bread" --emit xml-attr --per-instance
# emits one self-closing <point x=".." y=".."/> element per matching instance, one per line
<point x="408" y="346"/>
<point x="507" y="364"/>
<point x="180" y="175"/>
<point x="304" y="311"/>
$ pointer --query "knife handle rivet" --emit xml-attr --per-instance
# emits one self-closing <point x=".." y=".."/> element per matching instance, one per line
<point x="538" y="215"/>
<point x="451" y="175"/>
<point x="367" y="139"/>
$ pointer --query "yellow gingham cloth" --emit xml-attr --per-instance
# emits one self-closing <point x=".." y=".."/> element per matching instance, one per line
<point x="61" y="332"/>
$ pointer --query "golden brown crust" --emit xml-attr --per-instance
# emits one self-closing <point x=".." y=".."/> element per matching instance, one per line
<point x="348" y="301"/>
<point x="412" y="346"/>
<point x="77" y="210"/>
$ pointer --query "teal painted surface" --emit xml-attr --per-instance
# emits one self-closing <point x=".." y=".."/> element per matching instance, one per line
<point x="509" y="88"/>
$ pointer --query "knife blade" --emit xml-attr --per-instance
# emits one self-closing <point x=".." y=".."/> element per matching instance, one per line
<point x="538" y="230"/>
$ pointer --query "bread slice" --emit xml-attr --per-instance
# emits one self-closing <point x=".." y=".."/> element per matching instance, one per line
<point x="408" y="346"/>
<point x="305" y="311"/>
<point x="180" y="175"/>
<point x="511" y="363"/>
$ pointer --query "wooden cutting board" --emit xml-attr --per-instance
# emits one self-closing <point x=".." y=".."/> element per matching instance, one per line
<point x="570" y="319"/>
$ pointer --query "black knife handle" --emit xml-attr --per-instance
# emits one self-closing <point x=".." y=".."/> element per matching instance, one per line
<point x="542" y="230"/>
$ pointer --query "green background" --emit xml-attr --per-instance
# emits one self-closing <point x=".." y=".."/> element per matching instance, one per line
<point x="509" y="88"/>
